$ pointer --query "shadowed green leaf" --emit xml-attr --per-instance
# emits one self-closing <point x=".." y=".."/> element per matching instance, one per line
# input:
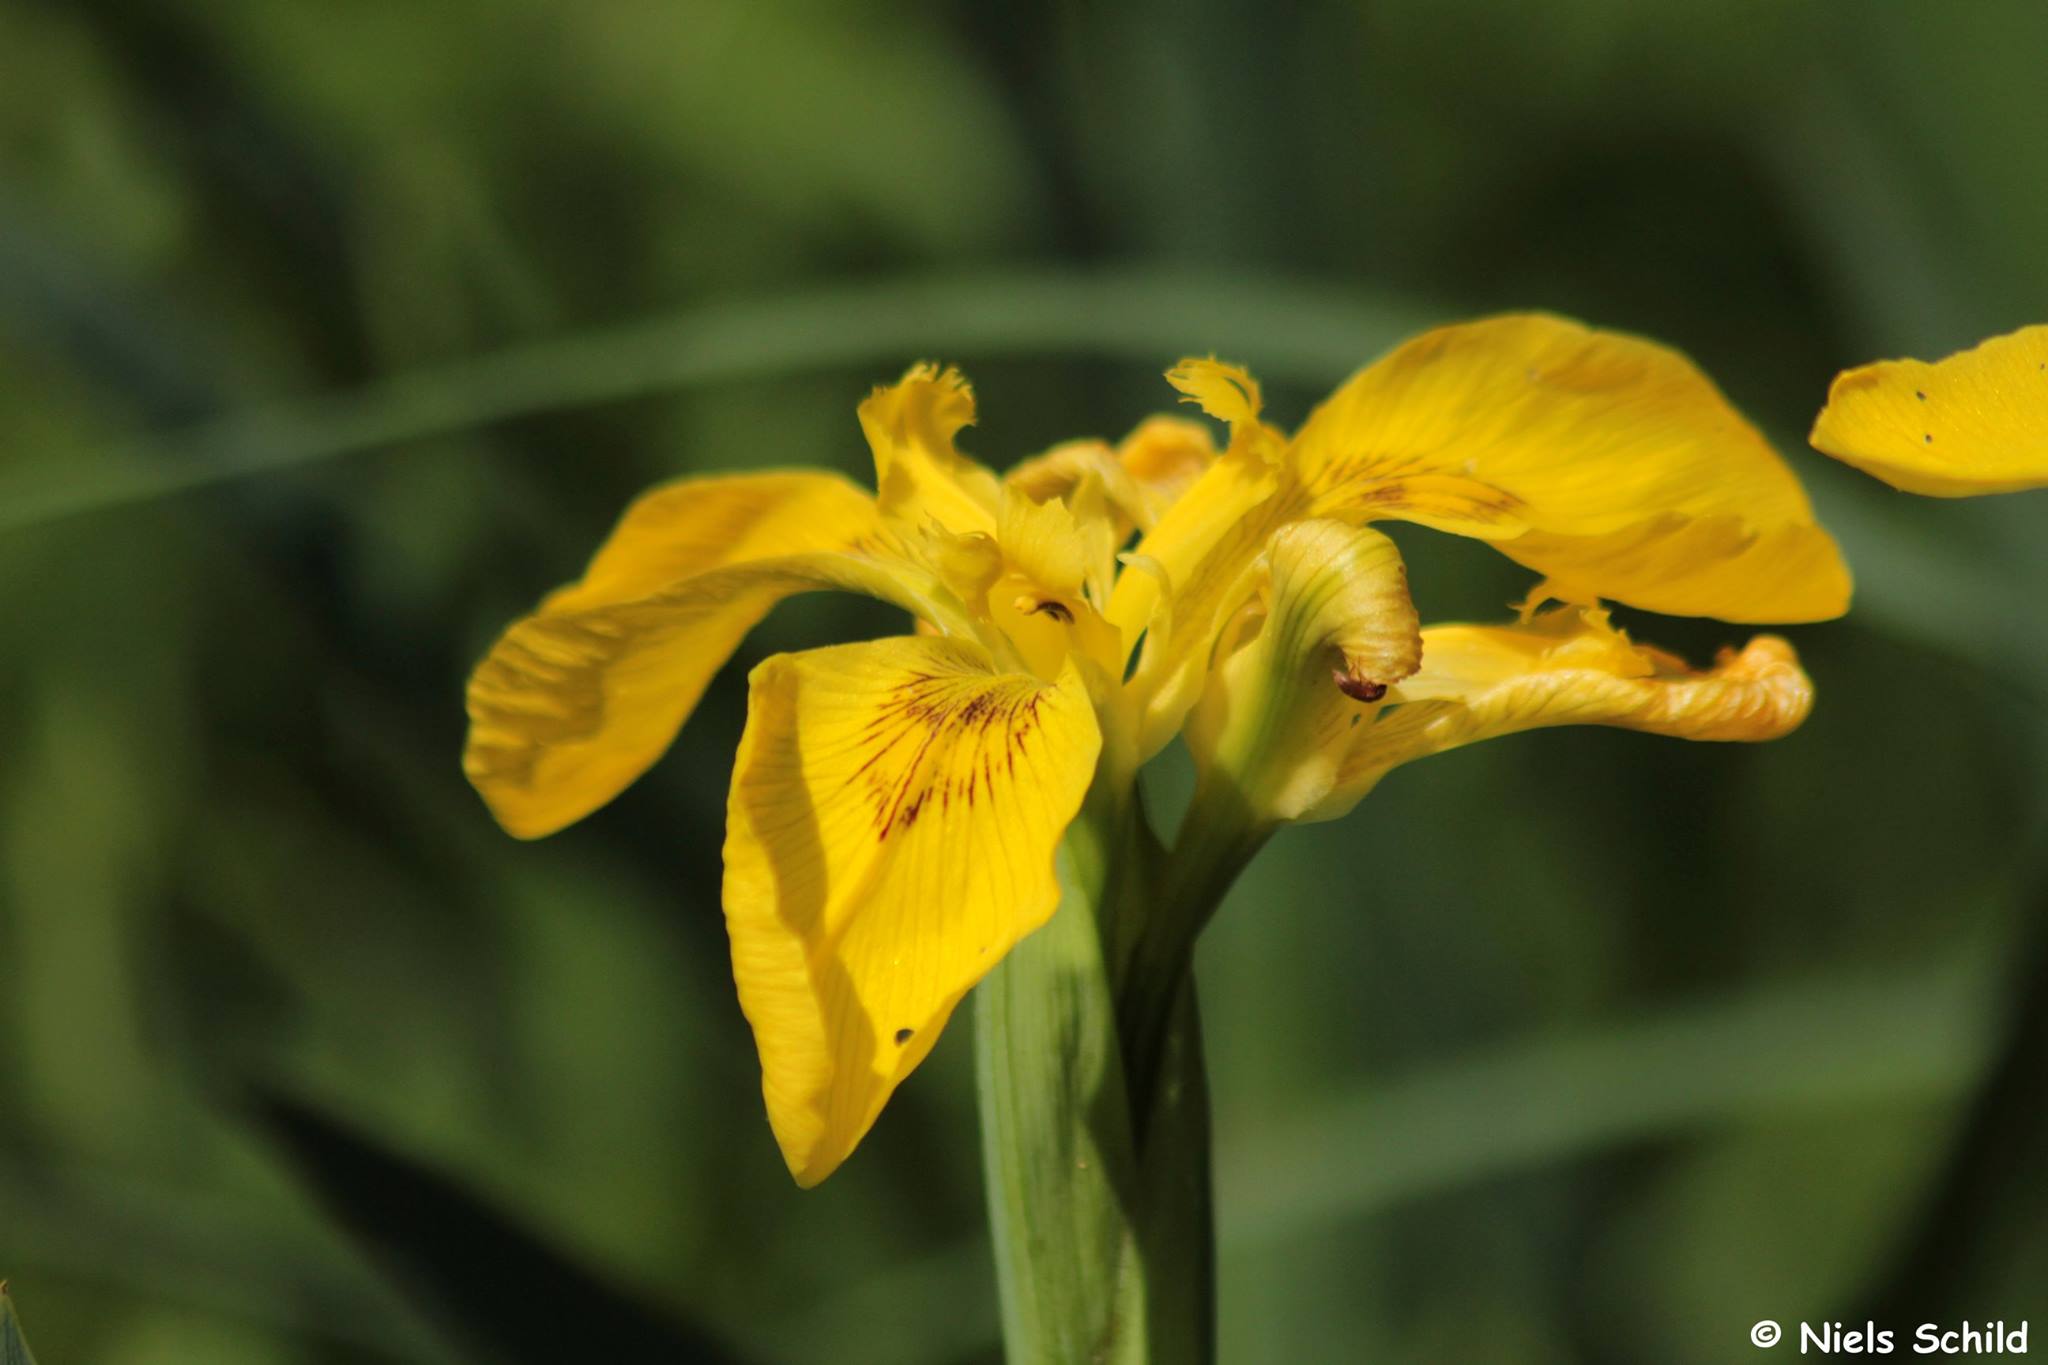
<point x="496" y="1289"/>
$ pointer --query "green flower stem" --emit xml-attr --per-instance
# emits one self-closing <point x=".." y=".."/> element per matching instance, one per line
<point x="1057" y="1141"/>
<point x="1217" y="841"/>
<point x="1177" y="1235"/>
<point x="1094" y="1097"/>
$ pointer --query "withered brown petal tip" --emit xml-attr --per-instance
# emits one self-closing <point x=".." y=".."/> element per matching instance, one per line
<point x="1358" y="689"/>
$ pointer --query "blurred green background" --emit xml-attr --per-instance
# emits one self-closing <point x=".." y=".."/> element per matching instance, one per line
<point x="332" y="336"/>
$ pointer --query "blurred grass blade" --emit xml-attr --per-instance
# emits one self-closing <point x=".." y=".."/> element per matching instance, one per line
<point x="144" y="1239"/>
<point x="1947" y="1263"/>
<point x="1784" y="1050"/>
<point x="1290" y="330"/>
<point x="494" y="1287"/>
<point x="13" y="1349"/>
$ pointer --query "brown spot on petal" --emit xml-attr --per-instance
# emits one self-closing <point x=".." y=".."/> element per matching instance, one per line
<point x="1358" y="689"/>
<point x="903" y="1036"/>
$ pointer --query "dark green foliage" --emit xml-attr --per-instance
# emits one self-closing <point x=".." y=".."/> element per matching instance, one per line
<point x="332" y="336"/>
<point x="493" y="1286"/>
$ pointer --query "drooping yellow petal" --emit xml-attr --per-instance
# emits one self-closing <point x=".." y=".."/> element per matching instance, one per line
<point x="1567" y="667"/>
<point x="1332" y="622"/>
<point x="1976" y="422"/>
<point x="692" y="526"/>
<point x="1606" y="462"/>
<point x="910" y="426"/>
<point x="575" y="701"/>
<point x="894" y="815"/>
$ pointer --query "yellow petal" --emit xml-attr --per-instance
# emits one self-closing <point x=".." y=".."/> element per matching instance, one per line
<point x="578" y="698"/>
<point x="895" y="811"/>
<point x="1165" y="456"/>
<point x="968" y="565"/>
<point x="1059" y="551"/>
<point x="1976" y="422"/>
<point x="1226" y="392"/>
<point x="1200" y="556"/>
<point x="1062" y="472"/>
<point x="1344" y="588"/>
<point x="692" y="526"/>
<point x="910" y="426"/>
<point x="1567" y="667"/>
<point x="1054" y="473"/>
<point x="1336" y="624"/>
<point x="1201" y="564"/>
<point x="1606" y="462"/>
<point x="1146" y="473"/>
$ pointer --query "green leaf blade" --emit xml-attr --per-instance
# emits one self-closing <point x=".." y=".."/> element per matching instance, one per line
<point x="13" y="1346"/>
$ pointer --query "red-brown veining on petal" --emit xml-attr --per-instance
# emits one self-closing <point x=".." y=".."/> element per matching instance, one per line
<point x="1362" y="480"/>
<point x="922" y="728"/>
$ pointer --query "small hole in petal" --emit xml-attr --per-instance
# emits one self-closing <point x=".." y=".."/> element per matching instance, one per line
<point x="903" y="1035"/>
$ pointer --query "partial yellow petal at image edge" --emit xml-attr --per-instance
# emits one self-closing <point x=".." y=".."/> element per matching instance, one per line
<point x="1974" y="423"/>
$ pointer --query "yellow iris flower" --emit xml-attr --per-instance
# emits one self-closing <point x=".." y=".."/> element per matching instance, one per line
<point x="896" y="805"/>
<point x="1974" y="423"/>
